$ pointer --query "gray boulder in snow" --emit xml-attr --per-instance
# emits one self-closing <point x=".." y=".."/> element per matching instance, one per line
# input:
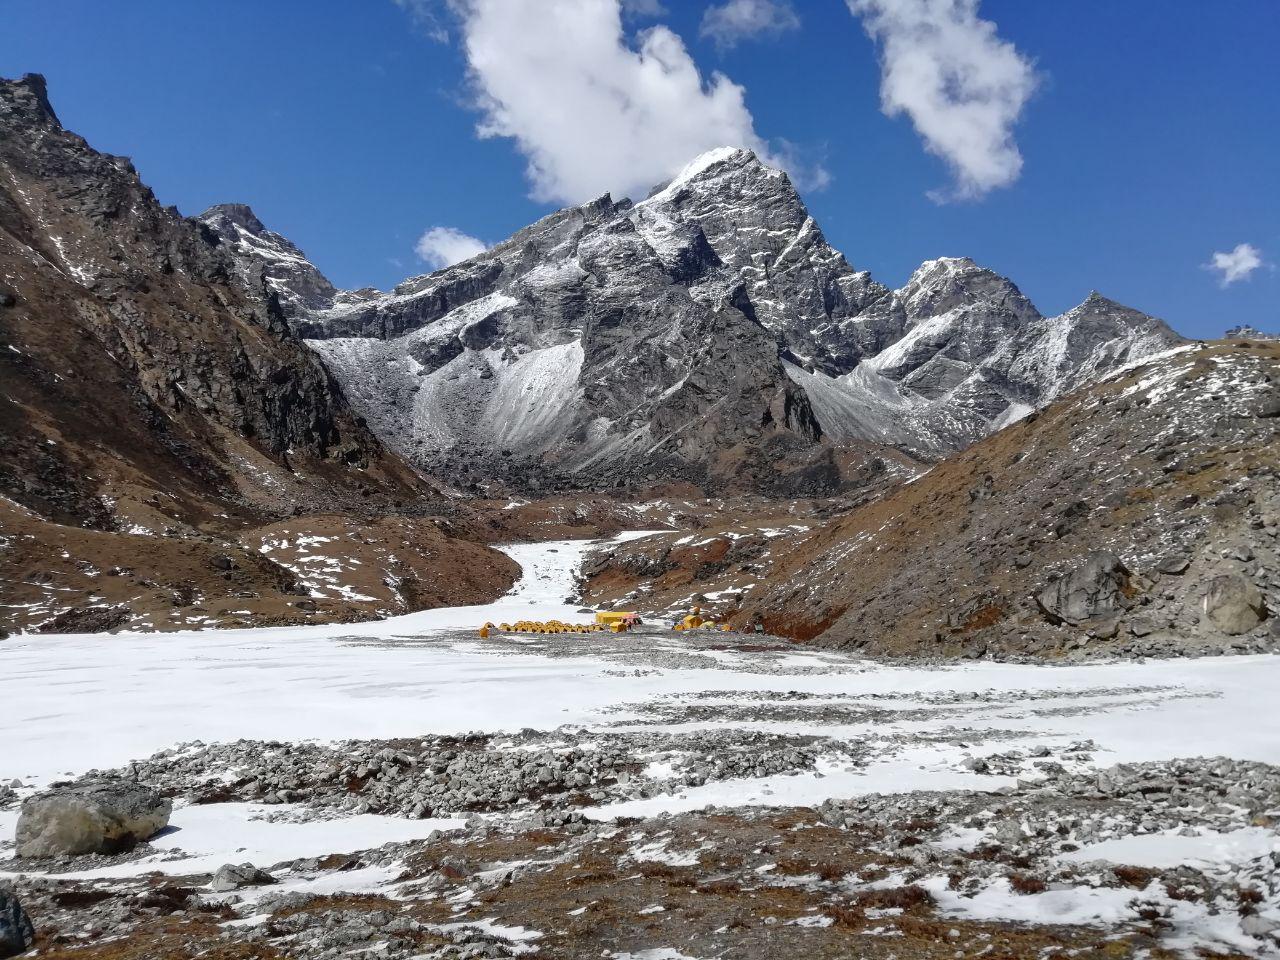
<point x="231" y="876"/>
<point x="101" y="816"/>
<point x="17" y="933"/>
<point x="1259" y="926"/>
<point x="1095" y="588"/>
<point x="1233" y="604"/>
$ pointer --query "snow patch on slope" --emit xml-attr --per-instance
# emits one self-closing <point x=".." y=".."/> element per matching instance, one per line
<point x="527" y="407"/>
<point x="862" y="403"/>
<point x="691" y="170"/>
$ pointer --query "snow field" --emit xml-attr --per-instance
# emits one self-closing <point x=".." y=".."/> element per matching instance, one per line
<point x="78" y="702"/>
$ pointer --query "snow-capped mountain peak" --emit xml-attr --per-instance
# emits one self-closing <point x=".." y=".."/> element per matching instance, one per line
<point x="707" y="332"/>
<point x="737" y="156"/>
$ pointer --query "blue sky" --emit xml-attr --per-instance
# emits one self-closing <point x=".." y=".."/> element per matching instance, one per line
<point x="1151" y="140"/>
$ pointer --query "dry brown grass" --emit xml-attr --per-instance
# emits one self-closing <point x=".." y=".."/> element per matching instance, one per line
<point x="1026" y="884"/>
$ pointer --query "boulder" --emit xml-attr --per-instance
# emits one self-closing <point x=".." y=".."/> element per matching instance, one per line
<point x="1233" y="604"/>
<point x="1095" y="588"/>
<point x="17" y="933"/>
<point x="231" y="876"/>
<point x="1106" y="629"/>
<point x="98" y="816"/>
<point x="1142" y="627"/>
<point x="1173" y="565"/>
<point x="1259" y="926"/>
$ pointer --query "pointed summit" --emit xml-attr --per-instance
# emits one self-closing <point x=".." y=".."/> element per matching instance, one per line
<point x="713" y="165"/>
<point x="951" y="283"/>
<point x="264" y="256"/>
<point x="28" y="95"/>
<point x="941" y="268"/>
<point x="1096" y="305"/>
<point x="1096" y="301"/>
<point x="240" y="214"/>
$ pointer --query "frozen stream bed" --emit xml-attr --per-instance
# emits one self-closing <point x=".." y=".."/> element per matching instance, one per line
<point x="80" y="702"/>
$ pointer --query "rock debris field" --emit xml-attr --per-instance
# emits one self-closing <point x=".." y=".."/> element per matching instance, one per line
<point x="405" y="789"/>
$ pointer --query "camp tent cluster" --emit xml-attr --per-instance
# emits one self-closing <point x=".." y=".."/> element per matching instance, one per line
<point x="695" y="621"/>
<point x="609" y="622"/>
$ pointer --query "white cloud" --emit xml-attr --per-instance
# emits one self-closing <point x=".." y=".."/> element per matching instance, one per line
<point x="962" y="86"/>
<point x="737" y="20"/>
<point x="1236" y="265"/>
<point x="592" y="110"/>
<point x="442" y="247"/>
<point x="426" y="15"/>
<point x="643" y="8"/>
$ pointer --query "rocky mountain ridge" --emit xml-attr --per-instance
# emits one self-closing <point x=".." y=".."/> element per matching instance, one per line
<point x="93" y="264"/>
<point x="155" y="407"/>
<point x="708" y="332"/>
<point x="1139" y="516"/>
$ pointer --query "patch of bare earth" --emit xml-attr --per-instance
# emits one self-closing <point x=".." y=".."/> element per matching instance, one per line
<point x="310" y="569"/>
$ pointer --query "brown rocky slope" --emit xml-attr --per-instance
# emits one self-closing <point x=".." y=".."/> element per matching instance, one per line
<point x="1138" y="516"/>
<point x="153" y="406"/>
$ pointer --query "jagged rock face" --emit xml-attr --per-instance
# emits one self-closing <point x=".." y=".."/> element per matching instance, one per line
<point x="708" y="331"/>
<point x="138" y="365"/>
<point x="969" y="354"/>
<point x="572" y="350"/>
<point x="263" y="257"/>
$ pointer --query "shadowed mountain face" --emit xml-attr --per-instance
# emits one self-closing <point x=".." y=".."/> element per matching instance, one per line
<point x="155" y="411"/>
<point x="708" y="332"/>
<point x="136" y="361"/>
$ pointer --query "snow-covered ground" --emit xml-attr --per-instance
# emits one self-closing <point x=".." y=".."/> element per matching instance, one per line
<point x="78" y="702"/>
<point x="209" y="835"/>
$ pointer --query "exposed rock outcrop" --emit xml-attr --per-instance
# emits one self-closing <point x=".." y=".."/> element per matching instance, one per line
<point x="137" y="358"/>
<point x="17" y="933"/>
